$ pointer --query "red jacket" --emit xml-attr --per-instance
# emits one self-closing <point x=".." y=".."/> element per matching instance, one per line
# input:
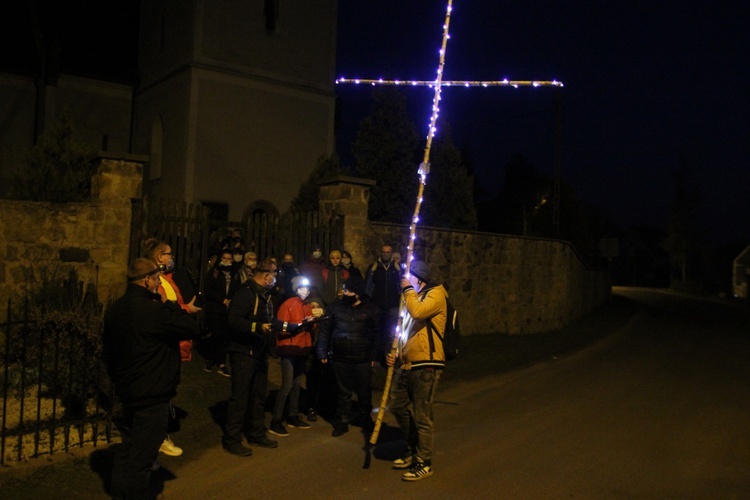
<point x="298" y="343"/>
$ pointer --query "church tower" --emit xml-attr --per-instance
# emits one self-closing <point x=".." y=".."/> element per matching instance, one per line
<point x="235" y="101"/>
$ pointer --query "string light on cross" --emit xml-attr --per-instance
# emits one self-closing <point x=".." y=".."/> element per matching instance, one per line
<point x="424" y="167"/>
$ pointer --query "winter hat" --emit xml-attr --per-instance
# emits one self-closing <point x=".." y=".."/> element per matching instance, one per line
<point x="421" y="271"/>
<point x="355" y="284"/>
<point x="299" y="281"/>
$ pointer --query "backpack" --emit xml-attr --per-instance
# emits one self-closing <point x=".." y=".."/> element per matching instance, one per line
<point x="451" y="336"/>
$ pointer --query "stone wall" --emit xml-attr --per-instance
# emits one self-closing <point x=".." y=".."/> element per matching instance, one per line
<point x="504" y="284"/>
<point x="499" y="283"/>
<point x="43" y="241"/>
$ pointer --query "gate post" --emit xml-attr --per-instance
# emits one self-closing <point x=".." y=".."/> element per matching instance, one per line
<point x="349" y="196"/>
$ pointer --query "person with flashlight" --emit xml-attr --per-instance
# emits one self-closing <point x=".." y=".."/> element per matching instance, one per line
<point x="293" y="348"/>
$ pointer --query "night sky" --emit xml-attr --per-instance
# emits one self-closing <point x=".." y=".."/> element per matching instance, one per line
<point x="648" y="85"/>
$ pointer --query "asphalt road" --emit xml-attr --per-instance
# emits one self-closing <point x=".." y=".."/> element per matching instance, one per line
<point x="660" y="408"/>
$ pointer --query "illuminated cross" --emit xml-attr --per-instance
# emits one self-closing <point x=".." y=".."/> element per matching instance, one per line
<point x="424" y="167"/>
<point x="438" y="84"/>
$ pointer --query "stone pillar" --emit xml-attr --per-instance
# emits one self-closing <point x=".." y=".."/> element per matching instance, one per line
<point x="118" y="180"/>
<point x="349" y="196"/>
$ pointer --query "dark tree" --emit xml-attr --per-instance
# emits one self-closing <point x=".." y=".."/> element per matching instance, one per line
<point x="449" y="193"/>
<point x="681" y="240"/>
<point x="386" y="150"/>
<point x="308" y="195"/>
<point x="59" y="168"/>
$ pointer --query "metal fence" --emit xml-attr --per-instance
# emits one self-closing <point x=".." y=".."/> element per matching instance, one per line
<point x="55" y="392"/>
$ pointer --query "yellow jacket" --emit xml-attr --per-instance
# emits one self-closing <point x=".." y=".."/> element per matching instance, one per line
<point x="417" y="347"/>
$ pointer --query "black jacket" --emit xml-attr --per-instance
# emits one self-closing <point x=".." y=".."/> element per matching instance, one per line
<point x="216" y="290"/>
<point x="245" y="321"/>
<point x="383" y="285"/>
<point x="351" y="333"/>
<point x="141" y="346"/>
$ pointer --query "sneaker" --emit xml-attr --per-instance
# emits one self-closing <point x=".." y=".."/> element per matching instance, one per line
<point x="340" y="428"/>
<point x="278" y="428"/>
<point x="417" y="472"/>
<point x="264" y="442"/>
<point x="403" y="462"/>
<point x="297" y="422"/>
<point x="169" y="448"/>
<point x="208" y="367"/>
<point x="237" y="449"/>
<point x="312" y="416"/>
<point x="224" y="371"/>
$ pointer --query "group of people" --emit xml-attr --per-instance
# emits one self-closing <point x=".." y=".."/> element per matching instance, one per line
<point x="315" y="317"/>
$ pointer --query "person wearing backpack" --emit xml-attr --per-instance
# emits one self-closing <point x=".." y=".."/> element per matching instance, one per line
<point x="418" y="365"/>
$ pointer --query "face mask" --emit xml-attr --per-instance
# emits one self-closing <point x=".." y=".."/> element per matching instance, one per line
<point x="346" y="261"/>
<point x="170" y="266"/>
<point x="252" y="264"/>
<point x="225" y="264"/>
<point x="288" y="265"/>
<point x="303" y="292"/>
<point x="349" y="299"/>
<point x="317" y="255"/>
<point x="385" y="260"/>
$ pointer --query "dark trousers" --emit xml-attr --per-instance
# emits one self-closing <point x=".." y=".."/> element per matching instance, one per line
<point x="320" y="386"/>
<point x="353" y="378"/>
<point x="246" y="411"/>
<point x="215" y="346"/>
<point x="143" y="430"/>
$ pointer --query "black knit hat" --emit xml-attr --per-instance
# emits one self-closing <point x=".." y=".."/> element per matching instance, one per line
<point x="421" y="271"/>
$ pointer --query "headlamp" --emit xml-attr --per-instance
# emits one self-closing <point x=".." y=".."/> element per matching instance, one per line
<point x="160" y="268"/>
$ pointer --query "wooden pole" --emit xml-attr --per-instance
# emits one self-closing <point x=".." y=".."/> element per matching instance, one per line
<point x="423" y="170"/>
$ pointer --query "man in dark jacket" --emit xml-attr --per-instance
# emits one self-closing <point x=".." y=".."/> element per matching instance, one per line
<point x="251" y="322"/>
<point x="222" y="282"/>
<point x="142" y="352"/>
<point x="383" y="286"/>
<point x="349" y="340"/>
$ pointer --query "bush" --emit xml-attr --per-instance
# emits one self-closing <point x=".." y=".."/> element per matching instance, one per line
<point x="57" y="169"/>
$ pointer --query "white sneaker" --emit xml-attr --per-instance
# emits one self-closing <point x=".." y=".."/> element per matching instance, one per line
<point x="417" y="472"/>
<point x="169" y="448"/>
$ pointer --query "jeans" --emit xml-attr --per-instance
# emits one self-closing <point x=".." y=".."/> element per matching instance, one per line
<point x="246" y="411"/>
<point x="411" y="403"/>
<point x="292" y="370"/>
<point x="143" y="430"/>
<point x="353" y="378"/>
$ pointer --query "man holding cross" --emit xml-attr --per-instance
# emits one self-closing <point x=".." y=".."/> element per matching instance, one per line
<point x="419" y="364"/>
